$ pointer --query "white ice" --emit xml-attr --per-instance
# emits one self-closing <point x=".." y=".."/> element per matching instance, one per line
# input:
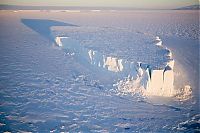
<point x="46" y="88"/>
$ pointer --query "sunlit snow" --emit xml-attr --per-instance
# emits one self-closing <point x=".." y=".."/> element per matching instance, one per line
<point x="99" y="71"/>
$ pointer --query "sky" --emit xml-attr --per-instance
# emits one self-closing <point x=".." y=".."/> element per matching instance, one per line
<point x="144" y="4"/>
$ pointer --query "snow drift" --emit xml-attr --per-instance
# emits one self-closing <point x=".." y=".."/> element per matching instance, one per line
<point x="158" y="82"/>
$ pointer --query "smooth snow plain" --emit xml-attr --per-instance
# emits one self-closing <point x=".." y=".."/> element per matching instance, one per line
<point x="88" y="71"/>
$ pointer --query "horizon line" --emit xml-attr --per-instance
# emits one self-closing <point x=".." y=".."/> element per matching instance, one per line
<point x="82" y="7"/>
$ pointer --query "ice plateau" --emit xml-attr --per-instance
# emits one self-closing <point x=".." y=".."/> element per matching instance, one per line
<point x="157" y="79"/>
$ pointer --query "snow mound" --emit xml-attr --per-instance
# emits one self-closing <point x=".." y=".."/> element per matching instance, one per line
<point x="184" y="93"/>
<point x="193" y="124"/>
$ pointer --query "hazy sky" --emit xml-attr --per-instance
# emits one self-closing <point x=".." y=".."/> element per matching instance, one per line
<point x="155" y="4"/>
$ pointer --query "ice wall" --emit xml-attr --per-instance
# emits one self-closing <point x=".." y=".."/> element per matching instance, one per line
<point x="97" y="59"/>
<point x="160" y="82"/>
<point x="157" y="81"/>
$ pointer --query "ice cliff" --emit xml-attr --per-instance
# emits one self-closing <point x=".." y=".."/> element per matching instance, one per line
<point x="156" y="81"/>
<point x="161" y="81"/>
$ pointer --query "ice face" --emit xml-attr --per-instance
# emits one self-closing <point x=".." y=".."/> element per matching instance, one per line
<point x="160" y="83"/>
<point x="121" y="43"/>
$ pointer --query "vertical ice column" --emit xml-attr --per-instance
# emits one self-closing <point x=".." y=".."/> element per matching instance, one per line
<point x="96" y="58"/>
<point x="58" y="41"/>
<point x="168" y="84"/>
<point x="155" y="83"/>
<point x="114" y="64"/>
<point x="158" y="41"/>
<point x="160" y="82"/>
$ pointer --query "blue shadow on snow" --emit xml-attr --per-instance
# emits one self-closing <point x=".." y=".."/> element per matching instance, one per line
<point x="42" y="26"/>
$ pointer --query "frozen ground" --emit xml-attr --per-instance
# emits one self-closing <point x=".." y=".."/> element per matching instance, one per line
<point x="45" y="88"/>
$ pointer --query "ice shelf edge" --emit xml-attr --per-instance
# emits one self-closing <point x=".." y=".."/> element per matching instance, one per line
<point x="157" y="82"/>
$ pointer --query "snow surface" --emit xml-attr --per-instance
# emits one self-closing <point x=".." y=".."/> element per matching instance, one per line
<point x="45" y="88"/>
